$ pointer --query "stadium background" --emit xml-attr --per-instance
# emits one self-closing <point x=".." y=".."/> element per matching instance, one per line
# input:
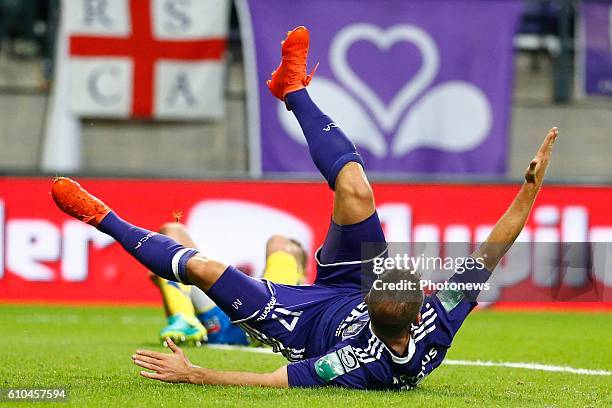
<point x="149" y="169"/>
<point x="36" y="240"/>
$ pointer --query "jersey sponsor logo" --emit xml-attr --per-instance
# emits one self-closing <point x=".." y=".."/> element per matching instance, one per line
<point x="267" y="309"/>
<point x="287" y="314"/>
<point x="336" y="363"/>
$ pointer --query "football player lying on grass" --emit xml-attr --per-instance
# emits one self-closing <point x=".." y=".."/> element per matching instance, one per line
<point x="340" y="330"/>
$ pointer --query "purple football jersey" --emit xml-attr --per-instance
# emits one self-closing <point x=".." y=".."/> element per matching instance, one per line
<point x="361" y="360"/>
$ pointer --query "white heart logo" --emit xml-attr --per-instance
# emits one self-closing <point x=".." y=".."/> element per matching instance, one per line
<point x="453" y="116"/>
<point x="387" y="115"/>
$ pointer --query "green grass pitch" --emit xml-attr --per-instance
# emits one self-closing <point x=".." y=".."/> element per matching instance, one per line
<point x="88" y="349"/>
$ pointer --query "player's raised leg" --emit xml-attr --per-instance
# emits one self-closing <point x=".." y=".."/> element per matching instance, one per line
<point x="233" y="291"/>
<point x="158" y="253"/>
<point x="354" y="219"/>
<point x="333" y="153"/>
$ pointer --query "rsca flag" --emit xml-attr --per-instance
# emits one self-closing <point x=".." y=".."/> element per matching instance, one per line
<point x="151" y="59"/>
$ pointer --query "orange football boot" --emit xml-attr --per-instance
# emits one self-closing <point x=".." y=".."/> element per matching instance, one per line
<point x="291" y="74"/>
<point x="75" y="201"/>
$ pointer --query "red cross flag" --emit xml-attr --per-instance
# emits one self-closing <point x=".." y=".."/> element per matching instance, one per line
<point x="160" y="59"/>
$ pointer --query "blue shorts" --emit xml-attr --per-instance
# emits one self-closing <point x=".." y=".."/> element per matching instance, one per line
<point x="301" y="321"/>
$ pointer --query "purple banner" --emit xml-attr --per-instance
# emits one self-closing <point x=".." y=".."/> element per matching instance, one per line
<point x="597" y="36"/>
<point x="419" y="86"/>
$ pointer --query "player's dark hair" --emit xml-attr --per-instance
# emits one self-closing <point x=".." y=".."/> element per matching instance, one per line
<point x="392" y="311"/>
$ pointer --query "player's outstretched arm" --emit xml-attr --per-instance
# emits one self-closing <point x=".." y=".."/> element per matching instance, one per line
<point x="175" y="367"/>
<point x="510" y="225"/>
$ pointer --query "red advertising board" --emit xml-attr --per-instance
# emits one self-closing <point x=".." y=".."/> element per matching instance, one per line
<point x="46" y="256"/>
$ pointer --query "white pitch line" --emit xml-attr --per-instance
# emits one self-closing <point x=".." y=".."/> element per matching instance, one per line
<point x="478" y="363"/>
<point x="261" y="350"/>
<point x="529" y="366"/>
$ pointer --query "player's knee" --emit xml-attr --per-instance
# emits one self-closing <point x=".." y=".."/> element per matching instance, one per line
<point x="352" y="183"/>
<point x="203" y="272"/>
<point x="356" y="189"/>
<point x="172" y="229"/>
<point x="197" y="268"/>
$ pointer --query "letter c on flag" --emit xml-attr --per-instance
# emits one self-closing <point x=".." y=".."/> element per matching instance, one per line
<point x="97" y="91"/>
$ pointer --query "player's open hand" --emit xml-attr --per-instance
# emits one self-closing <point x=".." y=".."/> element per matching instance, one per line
<point x="537" y="168"/>
<point x="168" y="367"/>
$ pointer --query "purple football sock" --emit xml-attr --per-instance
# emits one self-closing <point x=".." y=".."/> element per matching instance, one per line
<point x="158" y="253"/>
<point x="329" y="147"/>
